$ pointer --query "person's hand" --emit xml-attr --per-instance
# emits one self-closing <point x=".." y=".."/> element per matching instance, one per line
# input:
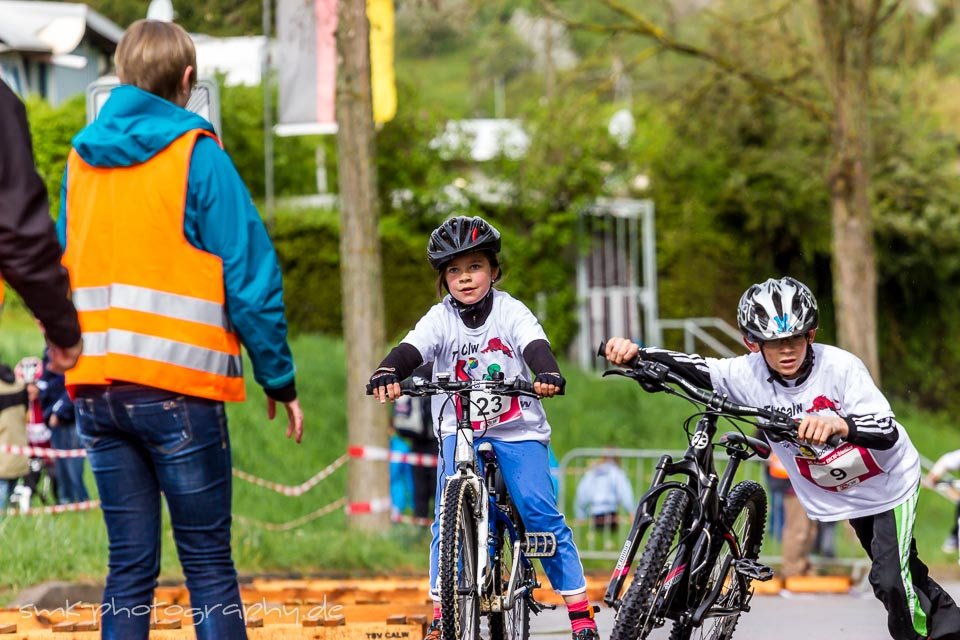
<point x="385" y="385"/>
<point x="817" y="429"/>
<point x="621" y="351"/>
<point x="54" y="421"/>
<point x="63" y="358"/>
<point x="547" y="385"/>
<point x="294" y="416"/>
<point x="930" y="480"/>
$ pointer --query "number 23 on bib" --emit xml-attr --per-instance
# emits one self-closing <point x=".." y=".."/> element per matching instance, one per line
<point x="491" y="410"/>
<point x="842" y="468"/>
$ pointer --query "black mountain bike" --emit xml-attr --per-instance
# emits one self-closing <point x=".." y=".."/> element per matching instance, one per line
<point x="700" y="534"/>
<point x="485" y="552"/>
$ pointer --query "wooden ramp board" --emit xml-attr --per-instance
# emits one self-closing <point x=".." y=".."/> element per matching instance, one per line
<point x="369" y="631"/>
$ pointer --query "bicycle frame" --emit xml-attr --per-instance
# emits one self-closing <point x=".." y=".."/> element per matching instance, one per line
<point x="706" y="490"/>
<point x="488" y="513"/>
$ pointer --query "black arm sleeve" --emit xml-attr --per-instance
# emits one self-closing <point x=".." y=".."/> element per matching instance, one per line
<point x="403" y="359"/>
<point x="688" y="365"/>
<point x="872" y="432"/>
<point x="29" y="251"/>
<point x="540" y="358"/>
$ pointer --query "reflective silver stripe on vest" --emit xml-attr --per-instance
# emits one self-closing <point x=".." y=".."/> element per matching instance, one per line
<point x="161" y="303"/>
<point x="147" y="347"/>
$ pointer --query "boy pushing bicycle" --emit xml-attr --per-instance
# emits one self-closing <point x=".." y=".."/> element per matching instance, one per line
<point x="871" y="478"/>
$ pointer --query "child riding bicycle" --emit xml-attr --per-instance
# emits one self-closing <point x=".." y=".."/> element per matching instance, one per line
<point x="474" y="332"/>
<point x="871" y="478"/>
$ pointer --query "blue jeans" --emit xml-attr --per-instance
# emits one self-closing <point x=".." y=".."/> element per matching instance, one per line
<point x="140" y="442"/>
<point x="526" y="472"/>
<point x="69" y="470"/>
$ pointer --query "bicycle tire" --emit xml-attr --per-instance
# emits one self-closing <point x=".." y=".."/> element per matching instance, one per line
<point x="459" y="592"/>
<point x="513" y="624"/>
<point x="745" y="514"/>
<point x="644" y="605"/>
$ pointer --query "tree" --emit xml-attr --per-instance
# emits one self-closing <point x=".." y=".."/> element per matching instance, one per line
<point x="843" y="55"/>
<point x="360" y="267"/>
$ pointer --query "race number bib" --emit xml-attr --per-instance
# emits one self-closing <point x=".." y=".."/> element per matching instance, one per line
<point x="842" y="468"/>
<point x="490" y="410"/>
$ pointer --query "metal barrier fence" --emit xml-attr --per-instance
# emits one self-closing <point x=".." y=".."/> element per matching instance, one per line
<point x="605" y="542"/>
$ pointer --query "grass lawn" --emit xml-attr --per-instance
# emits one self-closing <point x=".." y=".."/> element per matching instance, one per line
<point x="594" y="413"/>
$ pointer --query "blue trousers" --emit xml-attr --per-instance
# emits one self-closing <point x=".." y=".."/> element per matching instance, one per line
<point x="526" y="472"/>
<point x="140" y="442"/>
<point x="69" y="470"/>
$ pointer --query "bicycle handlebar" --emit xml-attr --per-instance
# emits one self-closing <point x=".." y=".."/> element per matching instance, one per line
<point x="419" y="387"/>
<point x="653" y="376"/>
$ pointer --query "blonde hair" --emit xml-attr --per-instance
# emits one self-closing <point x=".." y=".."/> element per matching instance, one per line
<point x="153" y="55"/>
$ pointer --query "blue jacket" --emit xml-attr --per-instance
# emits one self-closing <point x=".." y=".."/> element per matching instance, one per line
<point x="220" y="218"/>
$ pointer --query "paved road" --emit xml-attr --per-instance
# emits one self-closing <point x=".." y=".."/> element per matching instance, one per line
<point x="857" y="616"/>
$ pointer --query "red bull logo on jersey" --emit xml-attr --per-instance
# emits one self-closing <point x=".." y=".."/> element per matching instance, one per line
<point x="496" y="344"/>
<point x="823" y="403"/>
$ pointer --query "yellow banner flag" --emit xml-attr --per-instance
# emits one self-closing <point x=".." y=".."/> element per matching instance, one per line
<point x="382" y="81"/>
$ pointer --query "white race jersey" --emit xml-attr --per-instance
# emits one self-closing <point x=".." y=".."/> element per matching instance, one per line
<point x="849" y="481"/>
<point x="496" y="346"/>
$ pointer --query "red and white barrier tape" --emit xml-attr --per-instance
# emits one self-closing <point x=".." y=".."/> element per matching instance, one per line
<point x="42" y="452"/>
<point x="56" y="508"/>
<point x="379" y="453"/>
<point x="288" y="490"/>
<point x="377" y="505"/>
<point x="296" y="522"/>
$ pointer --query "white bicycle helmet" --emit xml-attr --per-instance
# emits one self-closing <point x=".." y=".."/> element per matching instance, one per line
<point x="777" y="309"/>
<point x="29" y="370"/>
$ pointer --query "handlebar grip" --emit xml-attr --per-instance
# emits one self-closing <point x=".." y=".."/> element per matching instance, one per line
<point x="523" y="385"/>
<point x="834" y="440"/>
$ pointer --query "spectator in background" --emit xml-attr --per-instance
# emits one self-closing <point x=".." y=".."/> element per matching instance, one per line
<point x="59" y="415"/>
<point x="29" y="253"/>
<point x="602" y="491"/>
<point x="947" y="462"/>
<point x="13" y="431"/>
<point x="29" y="370"/>
<point x="778" y="484"/>
<point x="413" y="420"/>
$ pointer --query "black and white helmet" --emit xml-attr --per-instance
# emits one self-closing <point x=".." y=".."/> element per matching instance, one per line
<point x="777" y="309"/>
<point x="458" y="236"/>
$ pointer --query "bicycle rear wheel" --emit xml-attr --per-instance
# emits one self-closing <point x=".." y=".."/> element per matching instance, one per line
<point x="459" y="591"/>
<point x="514" y="623"/>
<point x="745" y="514"/>
<point x="646" y="601"/>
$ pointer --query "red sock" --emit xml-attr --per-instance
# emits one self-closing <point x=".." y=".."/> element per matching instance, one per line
<point x="436" y="612"/>
<point x="581" y="616"/>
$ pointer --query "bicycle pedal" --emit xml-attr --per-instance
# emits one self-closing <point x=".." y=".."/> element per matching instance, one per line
<point x="540" y="545"/>
<point x="753" y="569"/>
<point x="536" y="606"/>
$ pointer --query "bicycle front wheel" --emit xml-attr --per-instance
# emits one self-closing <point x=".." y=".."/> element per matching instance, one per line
<point x="745" y="514"/>
<point x="514" y="623"/>
<point x="645" y="603"/>
<point x="459" y="591"/>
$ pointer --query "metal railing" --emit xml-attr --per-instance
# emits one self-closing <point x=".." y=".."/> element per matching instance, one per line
<point x="696" y="329"/>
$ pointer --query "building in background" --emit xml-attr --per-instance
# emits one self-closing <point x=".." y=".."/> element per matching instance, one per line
<point x="54" y="49"/>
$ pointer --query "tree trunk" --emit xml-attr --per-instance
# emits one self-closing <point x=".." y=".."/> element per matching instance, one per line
<point x="360" y="267"/>
<point x="847" y="32"/>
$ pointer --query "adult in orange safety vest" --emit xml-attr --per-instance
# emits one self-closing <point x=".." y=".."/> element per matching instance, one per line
<point x="172" y="271"/>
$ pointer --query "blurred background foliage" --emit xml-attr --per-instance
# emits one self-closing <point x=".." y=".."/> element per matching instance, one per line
<point x="738" y="177"/>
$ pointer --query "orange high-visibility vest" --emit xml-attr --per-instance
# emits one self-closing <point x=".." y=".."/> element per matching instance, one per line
<point x="151" y="305"/>
<point x="777" y="470"/>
